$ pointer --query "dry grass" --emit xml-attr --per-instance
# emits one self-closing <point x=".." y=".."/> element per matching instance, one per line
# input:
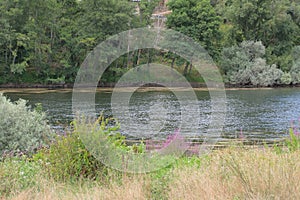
<point x="235" y="174"/>
<point x="131" y="188"/>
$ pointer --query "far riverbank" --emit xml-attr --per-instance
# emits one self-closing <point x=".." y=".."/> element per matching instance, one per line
<point x="146" y="86"/>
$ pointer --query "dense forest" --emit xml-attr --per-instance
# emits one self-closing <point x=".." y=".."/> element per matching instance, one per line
<point x="253" y="42"/>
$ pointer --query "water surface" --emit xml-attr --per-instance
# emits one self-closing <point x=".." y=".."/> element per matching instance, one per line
<point x="257" y="113"/>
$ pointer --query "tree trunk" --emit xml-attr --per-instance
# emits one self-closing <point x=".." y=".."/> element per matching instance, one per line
<point x="149" y="57"/>
<point x="128" y="54"/>
<point x="191" y="65"/>
<point x="186" y="69"/>
<point x="173" y="61"/>
<point x="138" y="57"/>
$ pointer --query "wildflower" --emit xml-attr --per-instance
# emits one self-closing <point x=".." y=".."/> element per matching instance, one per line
<point x="295" y="129"/>
<point x="175" y="143"/>
<point x="241" y="135"/>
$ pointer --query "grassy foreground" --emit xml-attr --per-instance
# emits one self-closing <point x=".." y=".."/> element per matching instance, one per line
<point x="232" y="173"/>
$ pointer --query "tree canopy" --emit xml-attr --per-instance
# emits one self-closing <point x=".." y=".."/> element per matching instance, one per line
<point x="45" y="41"/>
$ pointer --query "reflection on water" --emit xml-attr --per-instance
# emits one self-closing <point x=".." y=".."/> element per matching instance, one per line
<point x="257" y="113"/>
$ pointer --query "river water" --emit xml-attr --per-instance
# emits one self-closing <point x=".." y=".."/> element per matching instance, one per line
<point x="256" y="113"/>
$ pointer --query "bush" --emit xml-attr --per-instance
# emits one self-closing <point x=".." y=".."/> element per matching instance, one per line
<point x="69" y="159"/>
<point x="286" y="78"/>
<point x="22" y="130"/>
<point x="244" y="65"/>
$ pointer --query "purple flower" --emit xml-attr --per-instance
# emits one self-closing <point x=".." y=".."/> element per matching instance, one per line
<point x="175" y="143"/>
<point x="241" y="135"/>
<point x="295" y="129"/>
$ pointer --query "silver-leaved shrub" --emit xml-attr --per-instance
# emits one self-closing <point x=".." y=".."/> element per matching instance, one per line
<point x="22" y="130"/>
<point x="245" y="65"/>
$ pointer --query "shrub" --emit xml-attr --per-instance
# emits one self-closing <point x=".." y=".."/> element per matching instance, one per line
<point x="22" y="130"/>
<point x="244" y="65"/>
<point x="286" y="78"/>
<point x="239" y="57"/>
<point x="69" y="159"/>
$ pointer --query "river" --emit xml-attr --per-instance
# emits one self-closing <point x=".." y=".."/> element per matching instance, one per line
<point x="257" y="113"/>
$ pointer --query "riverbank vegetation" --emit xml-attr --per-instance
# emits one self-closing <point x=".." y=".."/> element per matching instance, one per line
<point x="22" y="130"/>
<point x="65" y="168"/>
<point x="253" y="42"/>
<point x="231" y="173"/>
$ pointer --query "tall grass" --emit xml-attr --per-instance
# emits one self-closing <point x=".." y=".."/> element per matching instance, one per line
<point x="232" y="173"/>
<point x="49" y="190"/>
<point x="240" y="174"/>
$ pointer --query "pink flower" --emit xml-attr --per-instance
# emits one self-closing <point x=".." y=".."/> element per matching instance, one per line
<point x="295" y="129"/>
<point x="175" y="144"/>
<point x="241" y="135"/>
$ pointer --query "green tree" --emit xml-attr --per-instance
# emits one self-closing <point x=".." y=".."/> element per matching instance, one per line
<point x="13" y="42"/>
<point x="295" y="70"/>
<point x="198" y="20"/>
<point x="270" y="21"/>
<point x="28" y="36"/>
<point x="48" y="40"/>
<point x="68" y="58"/>
<point x="101" y="19"/>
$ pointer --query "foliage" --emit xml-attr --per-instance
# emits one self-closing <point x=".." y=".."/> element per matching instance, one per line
<point x="50" y="39"/>
<point x="295" y="70"/>
<point x="198" y="20"/>
<point x="272" y="22"/>
<point x="146" y="10"/>
<point x="17" y="174"/>
<point x="244" y="65"/>
<point x="68" y="158"/>
<point x="22" y="130"/>
<point x="293" y="143"/>
<point x="46" y="41"/>
<point x="293" y="75"/>
<point x="286" y="78"/>
<point x="223" y="174"/>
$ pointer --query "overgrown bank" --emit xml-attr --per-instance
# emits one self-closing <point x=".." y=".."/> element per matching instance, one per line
<point x="233" y="173"/>
<point x="34" y="166"/>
